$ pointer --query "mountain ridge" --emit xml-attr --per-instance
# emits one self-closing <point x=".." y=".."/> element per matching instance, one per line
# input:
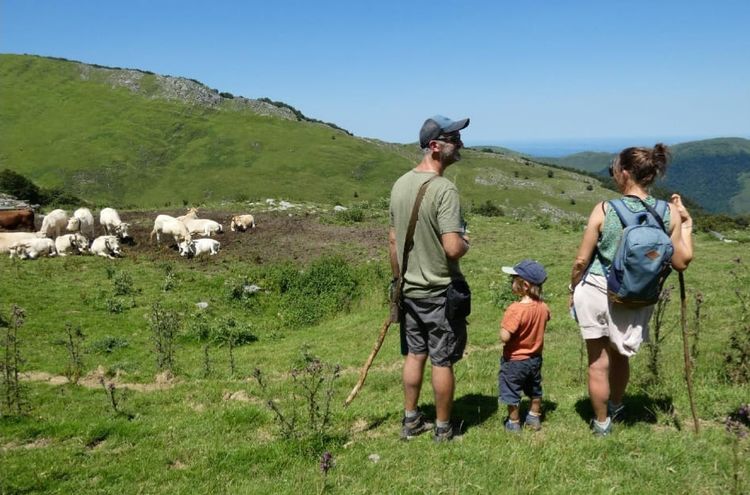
<point x="111" y="137"/>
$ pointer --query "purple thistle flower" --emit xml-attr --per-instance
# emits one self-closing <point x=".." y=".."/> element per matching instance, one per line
<point x="326" y="462"/>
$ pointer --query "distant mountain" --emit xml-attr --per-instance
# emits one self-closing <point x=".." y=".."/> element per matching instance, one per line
<point x="132" y="138"/>
<point x="590" y="161"/>
<point x="713" y="172"/>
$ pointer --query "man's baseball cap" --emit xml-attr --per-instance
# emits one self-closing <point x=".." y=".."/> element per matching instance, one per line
<point x="529" y="270"/>
<point x="437" y="126"/>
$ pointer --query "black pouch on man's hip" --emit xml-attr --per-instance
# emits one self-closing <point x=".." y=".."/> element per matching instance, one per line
<point x="458" y="300"/>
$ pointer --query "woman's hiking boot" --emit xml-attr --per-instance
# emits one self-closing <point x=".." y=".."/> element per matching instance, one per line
<point x="411" y="427"/>
<point x="599" y="430"/>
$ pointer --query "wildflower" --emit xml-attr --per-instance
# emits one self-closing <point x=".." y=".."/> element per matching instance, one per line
<point x="326" y="462"/>
<point x="739" y="421"/>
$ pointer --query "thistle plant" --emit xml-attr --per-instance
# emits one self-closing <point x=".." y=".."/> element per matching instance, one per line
<point x="307" y="413"/>
<point x="737" y="357"/>
<point x="657" y="336"/>
<point x="12" y="389"/>
<point x="165" y="325"/>
<point x="738" y="426"/>
<point x="73" y="344"/>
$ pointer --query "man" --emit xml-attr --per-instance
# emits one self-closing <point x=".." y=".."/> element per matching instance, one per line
<point x="439" y="242"/>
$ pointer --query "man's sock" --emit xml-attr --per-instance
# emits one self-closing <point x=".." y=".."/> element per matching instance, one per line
<point x="442" y="424"/>
<point x="536" y="415"/>
<point x="410" y="414"/>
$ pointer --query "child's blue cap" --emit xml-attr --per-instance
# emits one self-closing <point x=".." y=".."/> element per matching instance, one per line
<point x="529" y="270"/>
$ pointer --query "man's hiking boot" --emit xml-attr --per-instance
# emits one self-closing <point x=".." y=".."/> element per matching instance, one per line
<point x="617" y="414"/>
<point x="411" y="427"/>
<point x="448" y="433"/>
<point x="533" y="422"/>
<point x="600" y="431"/>
<point x="513" y="427"/>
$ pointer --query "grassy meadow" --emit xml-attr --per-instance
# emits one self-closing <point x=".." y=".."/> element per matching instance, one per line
<point x="204" y="429"/>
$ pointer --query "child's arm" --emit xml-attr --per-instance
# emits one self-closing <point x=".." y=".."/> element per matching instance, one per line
<point x="505" y="335"/>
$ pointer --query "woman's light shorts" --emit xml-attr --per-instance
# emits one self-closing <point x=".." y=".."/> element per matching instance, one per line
<point x="625" y="327"/>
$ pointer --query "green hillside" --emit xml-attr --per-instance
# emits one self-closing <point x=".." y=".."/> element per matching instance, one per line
<point x="131" y="138"/>
<point x="713" y="172"/>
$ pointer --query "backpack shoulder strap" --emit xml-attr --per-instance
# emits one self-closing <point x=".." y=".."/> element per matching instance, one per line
<point x="627" y="217"/>
<point x="409" y="240"/>
<point x="657" y="212"/>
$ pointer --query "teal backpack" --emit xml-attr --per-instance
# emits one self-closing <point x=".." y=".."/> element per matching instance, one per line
<point x="642" y="261"/>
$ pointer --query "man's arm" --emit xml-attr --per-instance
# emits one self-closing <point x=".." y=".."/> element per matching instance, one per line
<point x="393" y="252"/>
<point x="454" y="244"/>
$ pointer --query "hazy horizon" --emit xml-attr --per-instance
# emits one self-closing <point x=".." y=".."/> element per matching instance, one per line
<point x="556" y="148"/>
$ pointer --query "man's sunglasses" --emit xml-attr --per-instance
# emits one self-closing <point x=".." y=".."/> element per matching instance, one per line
<point x="450" y="138"/>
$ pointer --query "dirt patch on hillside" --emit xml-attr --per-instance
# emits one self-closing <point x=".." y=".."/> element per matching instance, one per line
<point x="278" y="237"/>
<point x="162" y="381"/>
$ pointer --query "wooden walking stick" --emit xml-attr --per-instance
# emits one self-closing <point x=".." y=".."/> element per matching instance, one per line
<point x="368" y="363"/>
<point x="686" y="351"/>
<point x="396" y="296"/>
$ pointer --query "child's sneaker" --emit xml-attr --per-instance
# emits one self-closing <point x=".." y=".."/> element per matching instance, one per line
<point x="513" y="426"/>
<point x="617" y="414"/>
<point x="533" y="422"/>
<point x="601" y="431"/>
<point x="411" y="427"/>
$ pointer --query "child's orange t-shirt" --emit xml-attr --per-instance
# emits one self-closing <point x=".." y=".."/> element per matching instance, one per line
<point x="526" y="323"/>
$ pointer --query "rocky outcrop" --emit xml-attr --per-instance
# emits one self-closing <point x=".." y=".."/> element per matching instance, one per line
<point x="179" y="89"/>
<point x="8" y="202"/>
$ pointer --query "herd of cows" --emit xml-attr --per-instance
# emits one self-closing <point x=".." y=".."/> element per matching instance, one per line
<point x="61" y="235"/>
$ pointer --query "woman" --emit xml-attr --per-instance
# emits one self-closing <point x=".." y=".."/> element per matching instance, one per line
<point x="614" y="332"/>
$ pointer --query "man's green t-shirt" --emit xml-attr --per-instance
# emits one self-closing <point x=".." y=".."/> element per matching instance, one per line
<point x="429" y="270"/>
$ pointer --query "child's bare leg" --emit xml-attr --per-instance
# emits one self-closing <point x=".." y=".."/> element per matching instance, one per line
<point x="513" y="414"/>
<point x="536" y="406"/>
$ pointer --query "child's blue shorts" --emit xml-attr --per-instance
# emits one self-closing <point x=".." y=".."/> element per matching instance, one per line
<point x="520" y="376"/>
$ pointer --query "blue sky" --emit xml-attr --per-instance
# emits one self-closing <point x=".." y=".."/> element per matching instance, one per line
<point x="523" y="71"/>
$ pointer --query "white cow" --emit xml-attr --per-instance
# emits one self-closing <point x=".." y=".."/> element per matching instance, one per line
<point x="82" y="221"/>
<point x="54" y="224"/>
<point x="107" y="246"/>
<point x="242" y="223"/>
<point x="73" y="243"/>
<point x="191" y="214"/>
<point x="8" y="239"/>
<point x="33" y="248"/>
<point x="199" y="246"/>
<point x="203" y="226"/>
<point x="165" y="224"/>
<point x="110" y="221"/>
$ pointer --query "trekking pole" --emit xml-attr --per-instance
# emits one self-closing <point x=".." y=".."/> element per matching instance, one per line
<point x="686" y="351"/>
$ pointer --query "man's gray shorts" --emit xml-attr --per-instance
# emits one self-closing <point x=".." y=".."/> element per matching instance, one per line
<point x="426" y="330"/>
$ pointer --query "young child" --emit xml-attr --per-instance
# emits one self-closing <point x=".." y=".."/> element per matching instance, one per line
<point x="522" y="332"/>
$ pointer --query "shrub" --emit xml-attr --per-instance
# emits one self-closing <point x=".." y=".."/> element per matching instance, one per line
<point x="19" y="186"/>
<point x="489" y="209"/>
<point x="107" y="344"/>
<point x="328" y="286"/>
